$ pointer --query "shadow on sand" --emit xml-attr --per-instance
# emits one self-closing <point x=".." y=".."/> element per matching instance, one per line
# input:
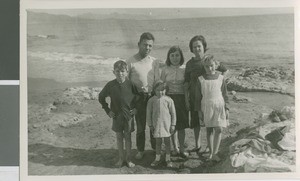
<point x="59" y="156"/>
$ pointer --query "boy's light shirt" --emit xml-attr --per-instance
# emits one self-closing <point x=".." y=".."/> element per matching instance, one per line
<point x="143" y="73"/>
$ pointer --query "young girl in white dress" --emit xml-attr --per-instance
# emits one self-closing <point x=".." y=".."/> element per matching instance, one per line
<point x="161" y="118"/>
<point x="213" y="106"/>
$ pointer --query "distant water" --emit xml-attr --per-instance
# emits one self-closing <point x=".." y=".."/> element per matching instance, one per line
<point x="237" y="41"/>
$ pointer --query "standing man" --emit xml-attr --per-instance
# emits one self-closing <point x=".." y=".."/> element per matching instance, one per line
<point x="143" y="72"/>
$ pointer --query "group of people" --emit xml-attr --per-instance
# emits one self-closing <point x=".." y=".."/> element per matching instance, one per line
<point x="168" y="101"/>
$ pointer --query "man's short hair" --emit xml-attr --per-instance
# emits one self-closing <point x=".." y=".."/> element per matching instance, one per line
<point x="146" y="36"/>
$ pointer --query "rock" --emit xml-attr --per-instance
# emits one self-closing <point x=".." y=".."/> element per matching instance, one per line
<point x="262" y="119"/>
<point x="50" y="108"/>
<point x="233" y="92"/>
<point x="241" y="99"/>
<point x="86" y="96"/>
<point x="35" y="126"/>
<point x="94" y="95"/>
<point x="263" y="79"/>
<point x="276" y="119"/>
<point x="282" y="117"/>
<point x="288" y="111"/>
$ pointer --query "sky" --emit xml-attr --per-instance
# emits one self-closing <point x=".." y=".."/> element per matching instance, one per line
<point x="166" y="13"/>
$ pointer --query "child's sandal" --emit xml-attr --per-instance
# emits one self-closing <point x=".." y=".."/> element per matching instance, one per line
<point x="169" y="164"/>
<point x="183" y="155"/>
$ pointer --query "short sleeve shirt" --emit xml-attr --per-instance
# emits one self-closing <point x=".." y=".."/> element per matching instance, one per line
<point x="143" y="73"/>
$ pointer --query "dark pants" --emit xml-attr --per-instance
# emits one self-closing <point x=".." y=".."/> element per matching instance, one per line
<point x="140" y="118"/>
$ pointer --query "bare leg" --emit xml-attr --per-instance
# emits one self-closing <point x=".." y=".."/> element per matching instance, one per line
<point x="167" y="142"/>
<point x="217" y="139"/>
<point x="158" y="151"/>
<point x="181" y="138"/>
<point x="209" y="137"/>
<point x="128" y="146"/>
<point x="128" y="149"/>
<point x="175" y="141"/>
<point x="120" y="145"/>
<point x="158" y="146"/>
<point x="167" y="145"/>
<point x="197" y="137"/>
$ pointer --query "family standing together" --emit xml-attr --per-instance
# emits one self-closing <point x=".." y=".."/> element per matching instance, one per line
<point x="168" y="100"/>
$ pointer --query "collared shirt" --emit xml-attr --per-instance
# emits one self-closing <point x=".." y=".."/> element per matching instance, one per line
<point x="143" y="73"/>
<point x="174" y="77"/>
<point x="124" y="97"/>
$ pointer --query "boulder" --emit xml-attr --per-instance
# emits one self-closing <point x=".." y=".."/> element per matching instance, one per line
<point x="76" y="95"/>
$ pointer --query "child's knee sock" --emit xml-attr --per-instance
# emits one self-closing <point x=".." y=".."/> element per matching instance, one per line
<point x="157" y="157"/>
<point x="168" y="157"/>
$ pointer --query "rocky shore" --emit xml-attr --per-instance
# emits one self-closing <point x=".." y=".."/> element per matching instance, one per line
<point x="263" y="79"/>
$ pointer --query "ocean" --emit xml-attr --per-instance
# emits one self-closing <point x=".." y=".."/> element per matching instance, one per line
<point x="70" y="49"/>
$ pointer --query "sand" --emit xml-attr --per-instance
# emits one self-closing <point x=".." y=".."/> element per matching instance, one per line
<point x="75" y="137"/>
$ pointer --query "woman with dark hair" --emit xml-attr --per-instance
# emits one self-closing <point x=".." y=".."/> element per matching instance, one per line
<point x="194" y="69"/>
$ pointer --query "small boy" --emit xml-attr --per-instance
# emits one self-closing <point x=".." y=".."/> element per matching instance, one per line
<point x="124" y="97"/>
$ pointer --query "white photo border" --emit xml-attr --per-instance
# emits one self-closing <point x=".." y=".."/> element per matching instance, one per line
<point x="81" y="4"/>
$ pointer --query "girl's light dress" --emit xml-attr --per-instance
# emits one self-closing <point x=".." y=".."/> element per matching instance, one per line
<point x="161" y="115"/>
<point x="212" y="103"/>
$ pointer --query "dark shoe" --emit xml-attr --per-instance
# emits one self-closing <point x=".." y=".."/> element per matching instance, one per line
<point x="195" y="149"/>
<point x="183" y="154"/>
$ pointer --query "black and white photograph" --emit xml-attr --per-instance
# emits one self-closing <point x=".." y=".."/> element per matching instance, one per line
<point x="159" y="90"/>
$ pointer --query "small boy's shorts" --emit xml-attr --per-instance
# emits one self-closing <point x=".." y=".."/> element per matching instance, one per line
<point x="120" y="124"/>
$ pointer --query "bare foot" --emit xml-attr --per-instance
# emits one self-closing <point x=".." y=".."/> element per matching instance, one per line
<point x="210" y="157"/>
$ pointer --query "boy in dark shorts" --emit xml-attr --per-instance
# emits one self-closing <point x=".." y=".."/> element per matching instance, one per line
<point x="124" y="97"/>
